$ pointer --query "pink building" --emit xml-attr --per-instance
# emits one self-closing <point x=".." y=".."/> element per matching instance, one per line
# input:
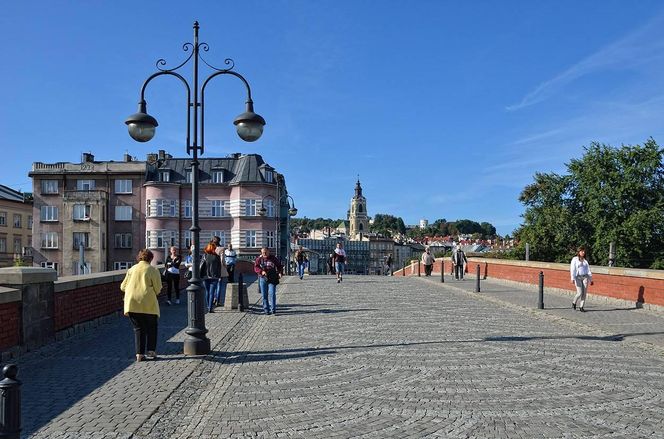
<point x="113" y="209"/>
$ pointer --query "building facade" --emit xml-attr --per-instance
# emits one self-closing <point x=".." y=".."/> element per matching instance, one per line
<point x="90" y="211"/>
<point x="113" y="209"/>
<point x="232" y="191"/>
<point x="16" y="219"/>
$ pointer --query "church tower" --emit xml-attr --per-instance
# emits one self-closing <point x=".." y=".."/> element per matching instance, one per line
<point x="358" y="218"/>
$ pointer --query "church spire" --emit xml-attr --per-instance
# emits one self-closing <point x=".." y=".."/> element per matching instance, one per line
<point x="358" y="188"/>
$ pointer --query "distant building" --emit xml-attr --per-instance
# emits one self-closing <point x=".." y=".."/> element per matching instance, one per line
<point x="357" y="252"/>
<point x="358" y="217"/>
<point x="114" y="209"/>
<point x="379" y="249"/>
<point x="15" y="227"/>
<point x="424" y="223"/>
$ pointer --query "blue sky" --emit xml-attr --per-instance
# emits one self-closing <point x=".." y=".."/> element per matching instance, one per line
<point x="445" y="109"/>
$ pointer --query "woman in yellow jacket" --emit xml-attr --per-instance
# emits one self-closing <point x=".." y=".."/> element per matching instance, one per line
<point x="141" y="286"/>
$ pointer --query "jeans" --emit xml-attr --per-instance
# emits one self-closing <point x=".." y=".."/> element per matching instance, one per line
<point x="231" y="272"/>
<point x="269" y="294"/>
<point x="300" y="269"/>
<point x="173" y="283"/>
<point x="339" y="266"/>
<point x="221" y="291"/>
<point x="211" y="286"/>
<point x="145" y="331"/>
<point x="581" y="283"/>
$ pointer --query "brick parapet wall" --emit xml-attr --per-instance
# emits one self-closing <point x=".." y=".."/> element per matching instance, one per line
<point x="10" y="317"/>
<point x="638" y="286"/>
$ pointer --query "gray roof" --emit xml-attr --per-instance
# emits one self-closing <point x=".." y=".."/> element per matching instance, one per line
<point x="238" y="169"/>
<point x="7" y="193"/>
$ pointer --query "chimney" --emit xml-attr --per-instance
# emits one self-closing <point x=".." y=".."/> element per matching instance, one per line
<point x="87" y="158"/>
<point x="127" y="157"/>
<point x="162" y="154"/>
<point x="151" y="157"/>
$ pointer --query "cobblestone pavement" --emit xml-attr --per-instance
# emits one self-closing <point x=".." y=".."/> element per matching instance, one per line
<point x="371" y="357"/>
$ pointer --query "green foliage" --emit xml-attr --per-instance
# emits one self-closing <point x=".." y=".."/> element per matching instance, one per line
<point x="19" y="262"/>
<point x="609" y="194"/>
<point x="387" y="225"/>
<point x="442" y="227"/>
<point x="306" y="225"/>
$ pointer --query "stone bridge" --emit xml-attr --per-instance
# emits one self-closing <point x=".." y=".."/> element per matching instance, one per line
<point x="370" y="357"/>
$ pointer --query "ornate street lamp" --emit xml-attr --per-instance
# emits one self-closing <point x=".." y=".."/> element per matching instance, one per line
<point x="142" y="128"/>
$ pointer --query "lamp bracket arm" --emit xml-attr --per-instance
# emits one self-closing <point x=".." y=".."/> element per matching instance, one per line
<point x="186" y="47"/>
<point x="228" y="72"/>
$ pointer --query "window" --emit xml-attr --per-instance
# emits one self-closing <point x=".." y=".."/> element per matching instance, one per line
<point x="218" y="208"/>
<point x="77" y="269"/>
<point x="18" y="245"/>
<point x="53" y="265"/>
<point x="122" y="265"/>
<point x="3" y="219"/>
<point x="81" y="238"/>
<point x="250" y="207"/>
<point x="269" y="207"/>
<point x="30" y="222"/>
<point x="186" y="210"/>
<point x="81" y="212"/>
<point x="3" y="245"/>
<point x="187" y="239"/>
<point x="218" y="176"/>
<point x="17" y="220"/>
<point x="49" y="186"/>
<point x="85" y="185"/>
<point x="187" y="176"/>
<point x="123" y="240"/>
<point x="49" y="240"/>
<point x="48" y="213"/>
<point x="222" y="237"/>
<point x="160" y="238"/>
<point x="122" y="213"/>
<point x="123" y="187"/>
<point x="165" y="175"/>
<point x="250" y="238"/>
<point x="269" y="176"/>
<point x="269" y="240"/>
<point x="166" y="208"/>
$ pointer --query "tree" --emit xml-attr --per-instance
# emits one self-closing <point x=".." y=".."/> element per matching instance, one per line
<point x="609" y="194"/>
<point x="387" y="225"/>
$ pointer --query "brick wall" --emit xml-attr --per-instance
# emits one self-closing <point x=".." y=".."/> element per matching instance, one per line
<point x="86" y="303"/>
<point x="633" y="285"/>
<point x="10" y="324"/>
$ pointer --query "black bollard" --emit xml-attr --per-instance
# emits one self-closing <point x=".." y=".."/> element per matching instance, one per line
<point x="10" y="403"/>
<point x="418" y="268"/>
<point x="477" y="285"/>
<point x="403" y="273"/>
<point x="442" y="271"/>
<point x="540" y="301"/>
<point x="240" y="297"/>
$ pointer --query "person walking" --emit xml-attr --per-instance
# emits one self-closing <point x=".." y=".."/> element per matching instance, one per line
<point x="210" y="273"/>
<point x="388" y="264"/>
<point x="459" y="262"/>
<point x="172" y="275"/>
<point x="301" y="260"/>
<point x="141" y="286"/>
<point x="230" y="256"/>
<point x="220" y="298"/>
<point x="340" y="261"/>
<point x="330" y="264"/>
<point x="189" y="263"/>
<point x="269" y="270"/>
<point x="581" y="275"/>
<point x="428" y="261"/>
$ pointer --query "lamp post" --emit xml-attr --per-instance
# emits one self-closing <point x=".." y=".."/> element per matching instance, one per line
<point x="142" y="127"/>
<point x="292" y="211"/>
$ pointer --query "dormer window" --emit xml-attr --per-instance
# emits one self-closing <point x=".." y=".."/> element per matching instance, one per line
<point x="218" y="176"/>
<point x="165" y="175"/>
<point x="268" y="173"/>
<point x="188" y="176"/>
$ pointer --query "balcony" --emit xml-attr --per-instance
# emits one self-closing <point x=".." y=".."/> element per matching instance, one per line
<point x="83" y="196"/>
